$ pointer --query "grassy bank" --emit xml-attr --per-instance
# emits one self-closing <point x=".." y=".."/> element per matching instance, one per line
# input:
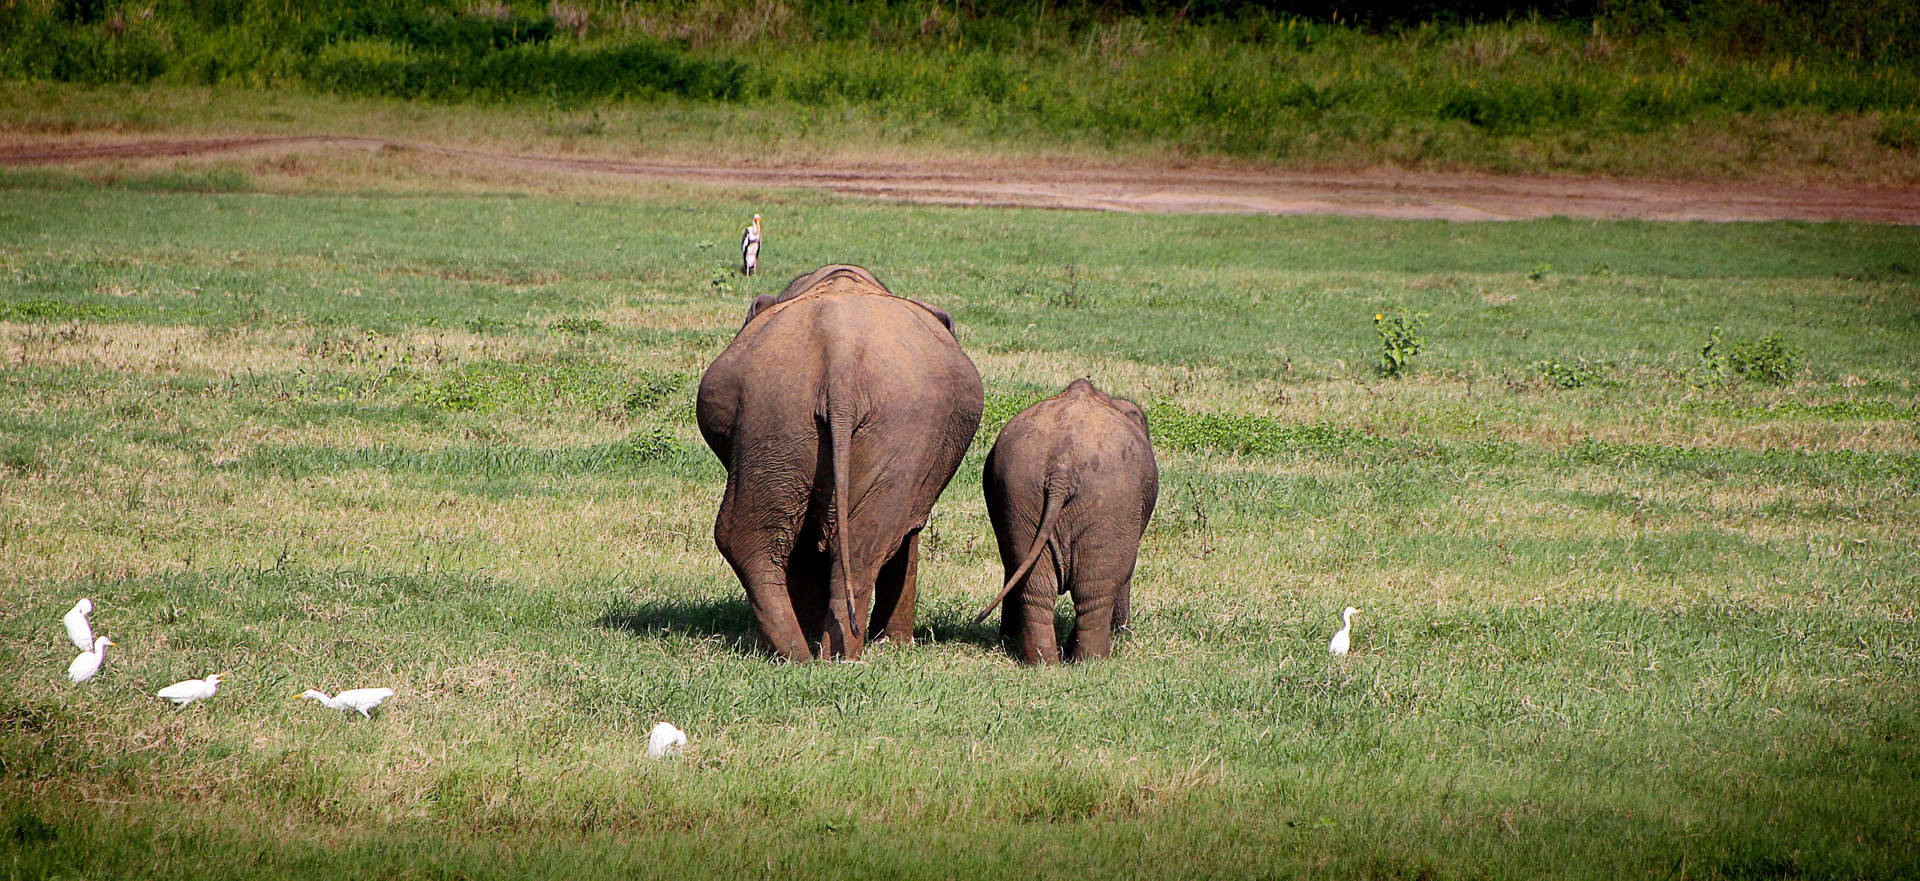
<point x="1629" y="611"/>
<point x="1606" y="92"/>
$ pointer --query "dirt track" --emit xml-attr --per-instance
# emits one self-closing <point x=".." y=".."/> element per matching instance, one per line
<point x="1148" y="188"/>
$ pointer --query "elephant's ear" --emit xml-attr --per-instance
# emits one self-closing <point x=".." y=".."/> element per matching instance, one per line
<point x="942" y="314"/>
<point x="760" y="304"/>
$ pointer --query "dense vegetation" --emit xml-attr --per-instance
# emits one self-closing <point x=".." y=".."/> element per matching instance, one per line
<point x="1263" y="80"/>
<point x="1632" y="522"/>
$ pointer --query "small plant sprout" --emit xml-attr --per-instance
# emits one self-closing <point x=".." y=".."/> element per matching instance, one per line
<point x="1580" y="374"/>
<point x="1400" y="340"/>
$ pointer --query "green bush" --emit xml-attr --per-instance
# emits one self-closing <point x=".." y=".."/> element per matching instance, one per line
<point x="1898" y="131"/>
<point x="651" y="389"/>
<point x="92" y="54"/>
<point x="580" y="324"/>
<point x="649" y="446"/>
<point x="437" y="32"/>
<point x="1400" y="340"/>
<point x="1768" y="359"/>
<point x="378" y="66"/>
<point x="1580" y="374"/>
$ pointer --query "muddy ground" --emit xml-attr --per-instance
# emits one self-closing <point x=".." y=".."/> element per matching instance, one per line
<point x="1142" y="187"/>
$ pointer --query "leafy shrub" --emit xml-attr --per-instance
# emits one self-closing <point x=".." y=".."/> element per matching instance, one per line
<point x="651" y="390"/>
<point x="1768" y="359"/>
<point x="82" y="54"/>
<point x="1898" y="131"/>
<point x="1400" y="340"/>
<point x="469" y="35"/>
<point x="377" y="66"/>
<point x="1713" y="359"/>
<point x="578" y="324"/>
<point x="1560" y="374"/>
<point x="652" y="445"/>
<point x="1498" y="108"/>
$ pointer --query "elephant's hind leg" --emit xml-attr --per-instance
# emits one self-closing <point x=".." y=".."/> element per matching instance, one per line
<point x="1027" y="616"/>
<point x="895" y="592"/>
<point x="1099" y="605"/>
<point x="759" y="554"/>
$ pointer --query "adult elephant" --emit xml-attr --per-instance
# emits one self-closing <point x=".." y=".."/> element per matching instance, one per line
<point x="840" y="412"/>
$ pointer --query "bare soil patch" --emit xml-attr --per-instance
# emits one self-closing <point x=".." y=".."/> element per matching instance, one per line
<point x="1160" y="188"/>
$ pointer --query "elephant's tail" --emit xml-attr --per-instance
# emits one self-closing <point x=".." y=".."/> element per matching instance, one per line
<point x="1057" y="492"/>
<point x="840" y="592"/>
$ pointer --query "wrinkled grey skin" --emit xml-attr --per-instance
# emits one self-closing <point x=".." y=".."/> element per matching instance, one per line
<point x="840" y="412"/>
<point x="1070" y="486"/>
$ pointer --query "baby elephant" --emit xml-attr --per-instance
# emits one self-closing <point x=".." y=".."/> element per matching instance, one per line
<point x="1070" y="485"/>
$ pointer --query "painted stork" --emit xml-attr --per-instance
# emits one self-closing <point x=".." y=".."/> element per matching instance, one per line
<point x="750" y="248"/>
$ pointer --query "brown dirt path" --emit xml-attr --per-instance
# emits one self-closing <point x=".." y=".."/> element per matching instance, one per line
<point x="1147" y="188"/>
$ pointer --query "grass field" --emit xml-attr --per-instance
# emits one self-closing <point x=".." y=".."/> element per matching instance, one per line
<point x="1630" y="611"/>
<point x="1750" y="90"/>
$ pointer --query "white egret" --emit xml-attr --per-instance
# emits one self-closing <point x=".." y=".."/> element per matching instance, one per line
<point x="750" y="248"/>
<point x="665" y="740"/>
<point x="190" y="690"/>
<point x="78" y="629"/>
<point x="1342" y="640"/>
<point x="89" y="661"/>
<point x="361" y="700"/>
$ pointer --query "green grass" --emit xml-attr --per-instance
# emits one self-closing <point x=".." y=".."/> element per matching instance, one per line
<point x="1720" y="88"/>
<point x="1658" y="623"/>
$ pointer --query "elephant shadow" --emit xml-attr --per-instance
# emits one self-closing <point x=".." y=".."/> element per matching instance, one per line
<point x="730" y="620"/>
<point x="954" y="623"/>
